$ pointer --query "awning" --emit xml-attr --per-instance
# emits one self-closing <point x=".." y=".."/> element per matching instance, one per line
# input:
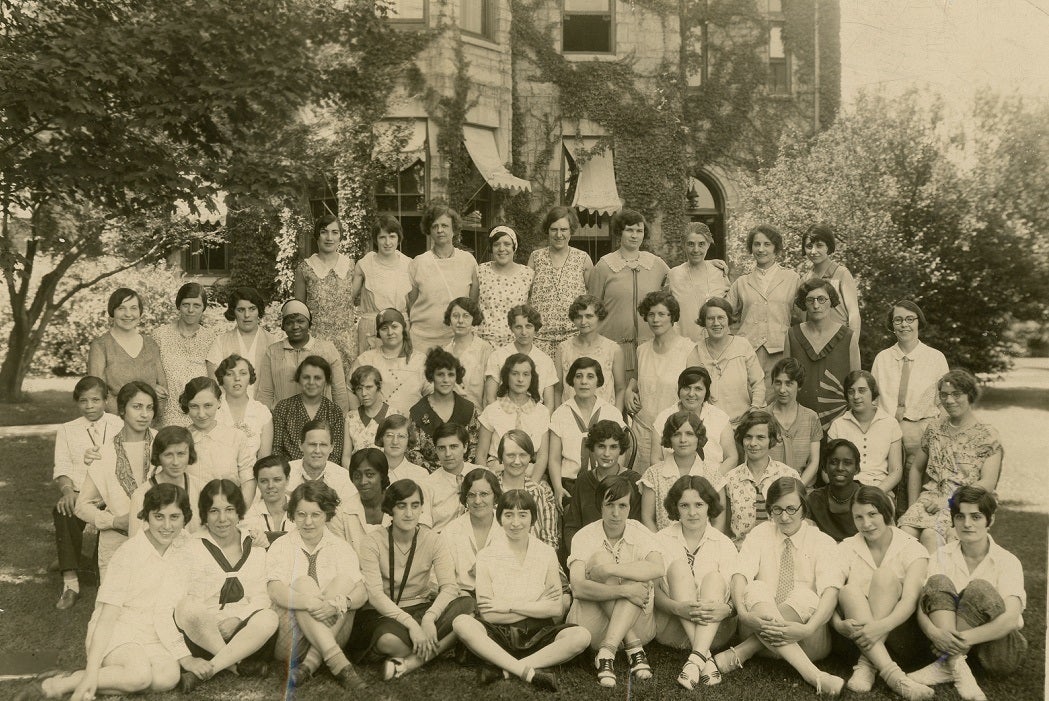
<point x="481" y="145"/>
<point x="400" y="142"/>
<point x="595" y="190"/>
<point x="207" y="213"/>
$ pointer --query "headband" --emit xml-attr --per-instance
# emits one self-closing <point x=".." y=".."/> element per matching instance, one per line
<point x="499" y="231"/>
<point x="294" y="306"/>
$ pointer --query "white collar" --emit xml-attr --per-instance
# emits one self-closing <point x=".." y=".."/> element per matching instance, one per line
<point x="341" y="266"/>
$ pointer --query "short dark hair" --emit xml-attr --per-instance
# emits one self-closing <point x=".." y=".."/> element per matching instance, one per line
<point x="910" y="306"/>
<point x="315" y="425"/>
<point x="771" y="233"/>
<point x="88" y="383"/>
<point x="613" y="488"/>
<point x="706" y="492"/>
<point x="757" y="417"/>
<point x="873" y="496"/>
<point x="582" y="302"/>
<point x="719" y="302"/>
<point x="121" y="295"/>
<point x="169" y="436"/>
<point x="604" y="430"/>
<point x="438" y="358"/>
<point x="389" y="224"/>
<point x="373" y="458"/>
<point x="835" y="443"/>
<point x="855" y="376"/>
<point x="229" y="363"/>
<point x="678" y="419"/>
<point x="528" y="312"/>
<point x="248" y="294"/>
<point x="467" y="305"/>
<point x="791" y="367"/>
<point x="323" y="222"/>
<point x="504" y="376"/>
<point x="271" y="461"/>
<point x="624" y="218"/>
<point x="819" y="232"/>
<point x="191" y="290"/>
<point x="450" y="428"/>
<point x="437" y="210"/>
<point x="195" y="387"/>
<point x="128" y="392"/>
<point x="479" y="473"/>
<point x="813" y="284"/>
<point x="558" y="212"/>
<point x="160" y="495"/>
<point x="362" y="373"/>
<point x="394" y="421"/>
<point x="399" y="491"/>
<point x="963" y="380"/>
<point x="522" y="439"/>
<point x="316" y="492"/>
<point x="657" y="297"/>
<point x="516" y="499"/>
<point x="581" y="363"/>
<point x="985" y="501"/>
<point x="223" y="487"/>
<point x="314" y="361"/>
<point x="692" y="374"/>
<point x="784" y="486"/>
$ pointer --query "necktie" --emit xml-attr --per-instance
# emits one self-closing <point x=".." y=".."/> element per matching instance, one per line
<point x="92" y="433"/>
<point x="786" y="571"/>
<point x="311" y="565"/>
<point x="905" y="378"/>
<point x="690" y="555"/>
<point x="459" y="482"/>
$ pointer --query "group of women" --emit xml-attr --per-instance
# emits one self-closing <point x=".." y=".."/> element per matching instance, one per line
<point x="524" y="459"/>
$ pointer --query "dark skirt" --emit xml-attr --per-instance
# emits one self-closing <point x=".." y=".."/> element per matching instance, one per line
<point x="525" y="637"/>
<point x="369" y="625"/>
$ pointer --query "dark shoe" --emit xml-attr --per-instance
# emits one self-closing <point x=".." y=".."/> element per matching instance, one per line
<point x="299" y="676"/>
<point x="188" y="682"/>
<point x="349" y="679"/>
<point x="253" y="668"/>
<point x="639" y="666"/>
<point x="544" y="681"/>
<point x="488" y="674"/>
<point x="67" y="600"/>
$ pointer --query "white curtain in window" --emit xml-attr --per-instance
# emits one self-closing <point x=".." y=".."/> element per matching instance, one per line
<point x="776" y="43"/>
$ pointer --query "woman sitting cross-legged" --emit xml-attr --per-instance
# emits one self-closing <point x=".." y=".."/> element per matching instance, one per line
<point x="476" y="529"/>
<point x="785" y="589"/>
<point x="132" y="643"/>
<point x="316" y="587"/>
<point x="692" y="604"/>
<point x="402" y="623"/>
<point x="516" y="451"/>
<point x="226" y="617"/>
<point x="884" y="571"/>
<point x="519" y="603"/>
<point x="613" y="565"/>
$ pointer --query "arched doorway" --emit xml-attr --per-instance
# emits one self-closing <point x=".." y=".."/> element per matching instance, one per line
<point x="706" y="203"/>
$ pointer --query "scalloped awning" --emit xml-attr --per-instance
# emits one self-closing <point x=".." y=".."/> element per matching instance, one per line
<point x="485" y="155"/>
<point x="595" y="189"/>
<point x="207" y="213"/>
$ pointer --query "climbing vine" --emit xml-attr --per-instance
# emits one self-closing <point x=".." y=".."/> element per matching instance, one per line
<point x="799" y="39"/>
<point x="448" y="113"/>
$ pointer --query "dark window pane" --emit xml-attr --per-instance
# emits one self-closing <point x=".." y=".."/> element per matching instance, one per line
<point x="778" y="79"/>
<point x="587" y="33"/>
<point x="386" y="203"/>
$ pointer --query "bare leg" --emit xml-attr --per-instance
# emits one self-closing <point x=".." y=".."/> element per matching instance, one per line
<point x="473" y="634"/>
<point x="247" y="641"/>
<point x="568" y="643"/>
<point x="792" y="653"/>
<point x="321" y="636"/>
<point x="125" y="670"/>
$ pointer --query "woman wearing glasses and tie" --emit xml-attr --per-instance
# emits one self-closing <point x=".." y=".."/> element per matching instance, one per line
<point x="906" y="374"/>
<point x="827" y="350"/>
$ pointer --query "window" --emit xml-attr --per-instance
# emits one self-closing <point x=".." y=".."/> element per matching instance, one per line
<point x="404" y="196"/>
<point x="779" y="63"/>
<point x="477" y="17"/>
<point x="408" y="12"/>
<point x="587" y="27"/>
<point x="203" y="259"/>
<point x="775" y="7"/>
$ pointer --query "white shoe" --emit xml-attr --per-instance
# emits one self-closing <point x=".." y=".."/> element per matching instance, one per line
<point x="863" y="676"/>
<point x="930" y="675"/>
<point x="965" y="682"/>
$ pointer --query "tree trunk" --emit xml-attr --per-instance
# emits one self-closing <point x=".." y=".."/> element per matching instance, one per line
<point x="16" y="363"/>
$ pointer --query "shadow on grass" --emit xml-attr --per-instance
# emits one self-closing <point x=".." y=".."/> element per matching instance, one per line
<point x="1014" y="398"/>
<point x="43" y="407"/>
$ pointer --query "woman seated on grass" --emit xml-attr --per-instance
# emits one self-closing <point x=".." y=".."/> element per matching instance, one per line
<point x="267" y="519"/>
<point x="172" y="453"/>
<point x="519" y="603"/>
<point x="370" y="474"/>
<point x="476" y="529"/>
<point x="316" y="588"/>
<point x="613" y="565"/>
<point x="402" y="623"/>
<point x="226" y="617"/>
<point x="132" y="642"/>
<point x="884" y="571"/>
<point x="516" y="452"/>
<point x="692" y="602"/>
<point x="785" y="589"/>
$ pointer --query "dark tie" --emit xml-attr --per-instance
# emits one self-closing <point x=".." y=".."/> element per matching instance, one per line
<point x="311" y="565"/>
<point x="905" y="378"/>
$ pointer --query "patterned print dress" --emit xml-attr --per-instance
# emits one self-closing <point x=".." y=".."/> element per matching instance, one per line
<point x="328" y="297"/>
<point x="183" y="360"/>
<point x="553" y="290"/>
<point x="498" y="294"/>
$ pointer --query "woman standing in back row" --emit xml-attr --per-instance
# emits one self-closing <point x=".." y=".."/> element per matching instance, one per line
<point x="561" y="274"/>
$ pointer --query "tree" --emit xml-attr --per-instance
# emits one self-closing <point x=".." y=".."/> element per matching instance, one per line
<point x="113" y="111"/>
<point x="899" y="185"/>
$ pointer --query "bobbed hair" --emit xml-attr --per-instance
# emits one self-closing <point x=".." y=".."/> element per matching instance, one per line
<point x="128" y="392"/>
<point x="873" y="496"/>
<point x="191" y="290"/>
<point x="582" y="363"/>
<point x="706" y="493"/>
<point x="575" y="309"/>
<point x="791" y="367"/>
<point x="971" y="494"/>
<point x="678" y="419"/>
<point x="910" y="306"/>
<point x="195" y="387"/>
<point x="555" y="213"/>
<point x="784" y="486"/>
<point x="479" y="474"/>
<point x="229" y="363"/>
<point x="438" y="358"/>
<point x="373" y="458"/>
<point x="528" y="312"/>
<point x="450" y="428"/>
<point x="315" y="425"/>
<point x="271" y="461"/>
<point x="516" y="499"/>
<point x="121" y="295"/>
<point x="627" y="217"/>
<point x="86" y="384"/>
<point x="602" y="431"/>
<point x="315" y="492"/>
<point x="169" y="436"/>
<point x="437" y="210"/>
<point x="314" y="361"/>
<point x="223" y="487"/>
<point x="963" y="381"/>
<point x="393" y="422"/>
<point x="400" y="491"/>
<point x="164" y="494"/>
<point x="467" y="305"/>
<point x="323" y="222"/>
<point x="757" y="417"/>
<point x="835" y="443"/>
<point x="813" y="285"/>
<point x="361" y="374"/>
<point x="389" y="224"/>
<point x="521" y="439"/>
<point x="819" y="232"/>
<point x="855" y="376"/>
<point x="720" y="303"/>
<point x="771" y="233"/>
<point x="613" y="488"/>
<point x="245" y="294"/>
<point x="657" y="297"/>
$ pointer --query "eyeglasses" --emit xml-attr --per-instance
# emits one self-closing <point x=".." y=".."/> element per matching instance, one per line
<point x="812" y="301"/>
<point x="778" y="510"/>
<point x="955" y="395"/>
<point x="901" y="320"/>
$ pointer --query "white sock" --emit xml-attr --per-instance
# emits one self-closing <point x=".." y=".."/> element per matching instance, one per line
<point x="70" y="581"/>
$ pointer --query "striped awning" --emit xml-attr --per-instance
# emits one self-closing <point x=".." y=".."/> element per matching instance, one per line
<point x="485" y="155"/>
<point x="595" y="189"/>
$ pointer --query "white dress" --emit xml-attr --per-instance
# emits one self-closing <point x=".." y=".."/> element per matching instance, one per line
<point x="657" y="375"/>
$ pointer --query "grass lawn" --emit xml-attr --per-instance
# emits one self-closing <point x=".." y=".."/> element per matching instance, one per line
<point x="29" y="620"/>
<point x="50" y="406"/>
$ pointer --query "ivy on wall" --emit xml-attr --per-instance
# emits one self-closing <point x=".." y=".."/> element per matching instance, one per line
<point x="448" y="113"/>
<point x="799" y="40"/>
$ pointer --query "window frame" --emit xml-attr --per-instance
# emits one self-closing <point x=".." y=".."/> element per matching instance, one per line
<point x="611" y="14"/>
<point x="412" y="22"/>
<point x="401" y="213"/>
<point x="191" y="255"/>
<point x="772" y="87"/>
<point x="489" y="18"/>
